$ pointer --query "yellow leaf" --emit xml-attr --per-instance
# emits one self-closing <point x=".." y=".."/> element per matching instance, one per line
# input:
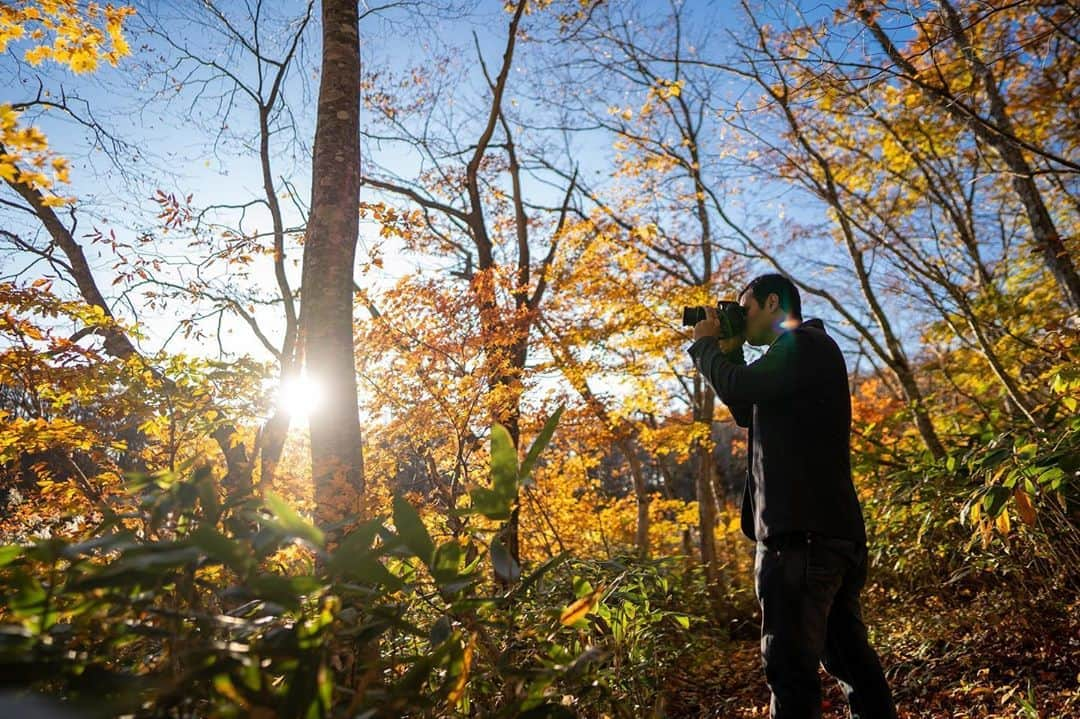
<point x="463" y="678"/>
<point x="577" y="610"/>
<point x="1003" y="524"/>
<point x="1024" y="507"/>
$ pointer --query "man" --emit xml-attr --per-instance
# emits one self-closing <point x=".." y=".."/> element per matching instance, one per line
<point x="799" y="502"/>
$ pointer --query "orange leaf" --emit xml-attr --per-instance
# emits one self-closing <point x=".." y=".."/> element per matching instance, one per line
<point x="1024" y="507"/>
<point x="581" y="607"/>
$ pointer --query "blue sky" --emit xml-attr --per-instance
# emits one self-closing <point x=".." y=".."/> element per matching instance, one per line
<point x="176" y="144"/>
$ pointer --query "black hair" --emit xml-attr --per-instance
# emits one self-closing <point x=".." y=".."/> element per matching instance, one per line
<point x="782" y="287"/>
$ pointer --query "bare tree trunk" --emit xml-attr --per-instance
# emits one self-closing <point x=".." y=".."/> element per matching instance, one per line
<point x="271" y="445"/>
<point x="326" y="327"/>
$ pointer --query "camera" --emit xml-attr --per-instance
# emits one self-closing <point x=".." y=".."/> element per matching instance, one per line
<point x="732" y="317"/>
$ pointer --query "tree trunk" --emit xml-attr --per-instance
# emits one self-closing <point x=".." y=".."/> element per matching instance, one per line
<point x="326" y="326"/>
<point x="703" y="484"/>
<point x="641" y="494"/>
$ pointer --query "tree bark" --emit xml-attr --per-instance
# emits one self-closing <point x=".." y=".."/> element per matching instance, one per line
<point x="326" y="322"/>
<point x="704" y="483"/>
<point x="641" y="496"/>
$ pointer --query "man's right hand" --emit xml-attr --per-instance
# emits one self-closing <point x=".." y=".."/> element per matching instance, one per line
<point x="729" y="345"/>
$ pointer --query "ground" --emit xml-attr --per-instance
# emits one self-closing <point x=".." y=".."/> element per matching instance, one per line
<point x="984" y="652"/>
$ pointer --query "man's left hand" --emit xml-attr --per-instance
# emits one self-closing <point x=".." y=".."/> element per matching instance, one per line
<point x="710" y="327"/>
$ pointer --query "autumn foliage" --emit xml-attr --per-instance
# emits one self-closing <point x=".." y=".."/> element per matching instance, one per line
<point x="541" y="515"/>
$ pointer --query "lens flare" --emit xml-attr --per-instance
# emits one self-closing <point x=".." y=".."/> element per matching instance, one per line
<point x="300" y="397"/>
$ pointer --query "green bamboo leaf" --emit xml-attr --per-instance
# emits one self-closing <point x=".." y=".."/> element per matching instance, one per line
<point x="222" y="549"/>
<point x="367" y="570"/>
<point x="490" y="504"/>
<point x="9" y="554"/>
<point x="357" y="543"/>
<point x="412" y="531"/>
<point x="994" y="500"/>
<point x="539" y="444"/>
<point x="445" y="564"/>
<point x="287" y="591"/>
<point x="504" y="467"/>
<point x="292" y="523"/>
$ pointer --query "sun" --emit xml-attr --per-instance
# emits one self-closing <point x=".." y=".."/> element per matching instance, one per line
<point x="300" y="397"/>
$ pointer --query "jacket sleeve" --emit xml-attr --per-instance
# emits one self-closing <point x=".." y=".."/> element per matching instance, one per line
<point x="702" y="352"/>
<point x="775" y="374"/>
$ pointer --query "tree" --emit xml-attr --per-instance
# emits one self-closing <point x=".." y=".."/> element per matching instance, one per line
<point x="947" y="55"/>
<point x="473" y="203"/>
<point x="265" y="54"/>
<point x="325" y="323"/>
<point x="79" y="43"/>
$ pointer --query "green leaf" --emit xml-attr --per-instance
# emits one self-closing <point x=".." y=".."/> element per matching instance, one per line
<point x="357" y="542"/>
<point x="1027" y="451"/>
<point x="505" y="567"/>
<point x="286" y="591"/>
<point x="681" y="619"/>
<point x="220" y="548"/>
<point x="994" y="458"/>
<point x="490" y="504"/>
<point x="994" y="500"/>
<point x="292" y="523"/>
<point x="504" y="467"/>
<point x="539" y="444"/>
<point x="1052" y="478"/>
<point x="447" y="561"/>
<point x="9" y="554"/>
<point x="412" y="531"/>
<point x="110" y="542"/>
<point x="367" y="570"/>
<point x="132" y="568"/>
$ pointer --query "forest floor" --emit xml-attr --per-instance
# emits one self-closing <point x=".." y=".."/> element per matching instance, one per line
<point x="990" y="652"/>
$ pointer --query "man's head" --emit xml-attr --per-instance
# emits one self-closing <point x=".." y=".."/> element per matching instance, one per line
<point x="772" y="306"/>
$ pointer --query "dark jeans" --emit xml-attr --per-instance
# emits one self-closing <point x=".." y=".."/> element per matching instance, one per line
<point x="808" y="586"/>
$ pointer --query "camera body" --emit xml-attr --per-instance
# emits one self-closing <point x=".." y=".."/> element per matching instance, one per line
<point x="732" y="317"/>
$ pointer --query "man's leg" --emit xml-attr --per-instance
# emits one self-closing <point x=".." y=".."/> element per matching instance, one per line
<point x="795" y="601"/>
<point x="848" y="654"/>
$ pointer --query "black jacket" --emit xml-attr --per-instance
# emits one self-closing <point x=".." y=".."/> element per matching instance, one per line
<point x="796" y="402"/>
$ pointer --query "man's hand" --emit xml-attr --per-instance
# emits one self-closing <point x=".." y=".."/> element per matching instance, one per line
<point x="710" y="327"/>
